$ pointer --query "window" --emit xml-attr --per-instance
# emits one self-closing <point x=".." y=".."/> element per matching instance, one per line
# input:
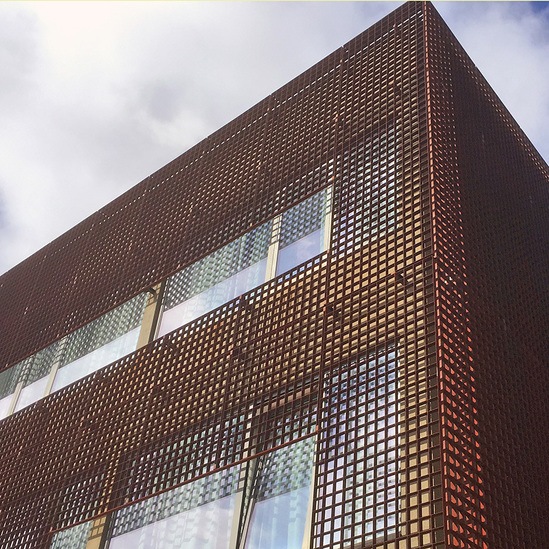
<point x="303" y="231"/>
<point x="280" y="500"/>
<point x="72" y="538"/>
<point x="8" y="383"/>
<point x="77" y="355"/>
<point x="213" y="510"/>
<point x="197" y="515"/>
<point x="272" y="248"/>
<point x="359" y="476"/>
<point x="217" y="278"/>
<point x="100" y="342"/>
<point x="36" y="371"/>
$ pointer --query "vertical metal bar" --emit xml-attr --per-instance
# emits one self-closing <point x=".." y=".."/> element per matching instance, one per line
<point x="272" y="253"/>
<point x="151" y="315"/>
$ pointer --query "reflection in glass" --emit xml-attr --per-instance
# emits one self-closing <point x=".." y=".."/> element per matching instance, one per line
<point x="96" y="359"/>
<point x="8" y="382"/>
<point x="216" y="279"/>
<point x="213" y="297"/>
<point x="198" y="515"/>
<point x="208" y="513"/>
<point x="207" y="526"/>
<point x="281" y="492"/>
<point x="5" y="406"/>
<point x="302" y="232"/>
<point x="82" y="352"/>
<point x="300" y="251"/>
<point x="35" y="371"/>
<point x="100" y="342"/>
<point x="72" y="538"/>
<point x="31" y="393"/>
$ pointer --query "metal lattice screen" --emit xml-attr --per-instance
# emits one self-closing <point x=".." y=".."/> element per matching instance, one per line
<point x="257" y="372"/>
<point x="180" y="407"/>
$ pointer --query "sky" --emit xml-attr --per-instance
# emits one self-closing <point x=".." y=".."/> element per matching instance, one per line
<point x="95" y="96"/>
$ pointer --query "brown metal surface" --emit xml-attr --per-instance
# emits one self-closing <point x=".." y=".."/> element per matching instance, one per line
<point x="505" y="219"/>
<point x="464" y="506"/>
<point x="436" y="276"/>
<point x="491" y="242"/>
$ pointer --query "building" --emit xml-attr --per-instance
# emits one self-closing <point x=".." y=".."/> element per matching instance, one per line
<point x="323" y="326"/>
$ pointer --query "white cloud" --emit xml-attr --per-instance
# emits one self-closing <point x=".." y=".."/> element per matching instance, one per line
<point x="509" y="43"/>
<point x="97" y="95"/>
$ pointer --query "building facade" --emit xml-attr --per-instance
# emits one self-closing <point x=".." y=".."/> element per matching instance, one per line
<point x="324" y="326"/>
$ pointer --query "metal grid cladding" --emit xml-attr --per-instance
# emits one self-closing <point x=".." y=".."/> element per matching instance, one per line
<point x="491" y="209"/>
<point x="392" y="357"/>
<point x="302" y="219"/>
<point x="464" y="505"/>
<point x="218" y="266"/>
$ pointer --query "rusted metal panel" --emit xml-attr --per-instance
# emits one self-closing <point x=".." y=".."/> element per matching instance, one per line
<point x="410" y="294"/>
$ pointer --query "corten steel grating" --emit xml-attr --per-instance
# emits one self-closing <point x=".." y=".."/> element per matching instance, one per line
<point x="431" y="307"/>
<point x="491" y="239"/>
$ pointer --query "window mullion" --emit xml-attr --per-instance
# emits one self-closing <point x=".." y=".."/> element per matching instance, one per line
<point x="16" y="394"/>
<point x="55" y="365"/>
<point x="328" y="218"/>
<point x="274" y="246"/>
<point x="246" y="474"/>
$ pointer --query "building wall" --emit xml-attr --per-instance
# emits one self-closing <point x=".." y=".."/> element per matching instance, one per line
<point x="505" y="189"/>
<point x="277" y="352"/>
<point x="463" y="495"/>
<point x="491" y="238"/>
<point x="374" y="351"/>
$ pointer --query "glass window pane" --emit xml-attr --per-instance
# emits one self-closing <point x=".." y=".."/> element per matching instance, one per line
<point x="8" y="381"/>
<point x="31" y="393"/>
<point x="5" y="406"/>
<point x="216" y="279"/>
<point x="95" y="360"/>
<point x="204" y="527"/>
<point x="299" y="251"/>
<point x="302" y="232"/>
<point x="304" y="218"/>
<point x="35" y="372"/>
<point x="279" y="522"/>
<point x="72" y="538"/>
<point x="100" y="342"/>
<point x="198" y="515"/>
<point x="213" y="297"/>
<point x="281" y="493"/>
